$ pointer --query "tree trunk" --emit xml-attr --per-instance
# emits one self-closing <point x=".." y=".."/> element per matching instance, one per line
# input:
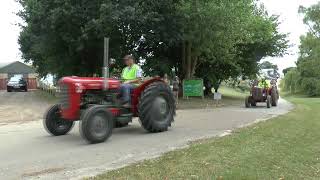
<point x="189" y="62"/>
<point x="183" y="58"/>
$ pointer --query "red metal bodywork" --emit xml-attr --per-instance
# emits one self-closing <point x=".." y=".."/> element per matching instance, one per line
<point x="267" y="91"/>
<point x="72" y="112"/>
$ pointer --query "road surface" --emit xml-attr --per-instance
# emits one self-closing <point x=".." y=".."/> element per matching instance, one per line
<point x="28" y="152"/>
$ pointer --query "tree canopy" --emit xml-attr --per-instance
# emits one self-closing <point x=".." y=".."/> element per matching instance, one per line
<point x="214" y="39"/>
<point x="268" y="65"/>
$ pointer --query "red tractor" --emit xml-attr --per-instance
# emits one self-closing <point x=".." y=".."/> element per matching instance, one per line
<point x="269" y="95"/>
<point x="99" y="111"/>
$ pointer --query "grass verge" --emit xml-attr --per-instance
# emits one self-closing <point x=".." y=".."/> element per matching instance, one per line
<point x="286" y="147"/>
<point x="230" y="97"/>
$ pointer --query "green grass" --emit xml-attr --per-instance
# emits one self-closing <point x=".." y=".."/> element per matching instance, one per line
<point x="231" y="93"/>
<point x="286" y="147"/>
<point x="230" y="97"/>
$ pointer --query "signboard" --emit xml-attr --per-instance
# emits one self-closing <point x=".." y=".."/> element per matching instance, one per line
<point x="193" y="88"/>
<point x="217" y="96"/>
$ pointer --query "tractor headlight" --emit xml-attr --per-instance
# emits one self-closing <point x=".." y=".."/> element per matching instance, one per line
<point x="79" y="88"/>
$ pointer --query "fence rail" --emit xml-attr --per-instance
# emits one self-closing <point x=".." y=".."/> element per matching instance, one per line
<point x="48" y="88"/>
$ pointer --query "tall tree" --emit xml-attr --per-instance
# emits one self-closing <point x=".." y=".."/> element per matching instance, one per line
<point x="220" y="39"/>
<point x="307" y="75"/>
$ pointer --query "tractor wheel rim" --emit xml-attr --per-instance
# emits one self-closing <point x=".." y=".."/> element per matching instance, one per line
<point x="99" y="125"/>
<point x="161" y="107"/>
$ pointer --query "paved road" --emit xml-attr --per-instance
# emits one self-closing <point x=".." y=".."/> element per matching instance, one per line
<point x="28" y="152"/>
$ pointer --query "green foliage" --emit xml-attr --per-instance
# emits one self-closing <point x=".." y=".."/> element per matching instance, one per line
<point x="259" y="38"/>
<point x="291" y="81"/>
<point x="211" y="39"/>
<point x="268" y="65"/>
<point x="285" y="71"/>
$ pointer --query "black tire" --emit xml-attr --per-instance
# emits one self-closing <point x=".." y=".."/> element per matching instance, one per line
<point x="54" y="124"/>
<point x="8" y="89"/>
<point x="96" y="124"/>
<point x="274" y="97"/>
<point x="247" y="102"/>
<point x="157" y="107"/>
<point x="253" y="103"/>
<point x="269" y="101"/>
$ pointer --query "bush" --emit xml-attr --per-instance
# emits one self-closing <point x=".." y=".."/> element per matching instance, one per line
<point x="311" y="86"/>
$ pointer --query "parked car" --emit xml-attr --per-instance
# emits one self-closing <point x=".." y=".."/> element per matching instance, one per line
<point x="17" y="83"/>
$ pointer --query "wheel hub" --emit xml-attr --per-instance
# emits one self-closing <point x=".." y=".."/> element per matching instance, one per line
<point x="59" y="123"/>
<point x="99" y="125"/>
<point x="161" y="107"/>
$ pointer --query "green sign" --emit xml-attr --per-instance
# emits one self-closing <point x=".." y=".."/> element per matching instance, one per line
<point x="193" y="87"/>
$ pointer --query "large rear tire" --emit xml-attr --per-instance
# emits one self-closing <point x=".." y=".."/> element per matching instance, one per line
<point x="157" y="107"/>
<point x="54" y="124"/>
<point x="96" y="124"/>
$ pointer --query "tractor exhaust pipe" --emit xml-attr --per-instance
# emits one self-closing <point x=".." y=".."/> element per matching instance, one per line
<point x="105" y="70"/>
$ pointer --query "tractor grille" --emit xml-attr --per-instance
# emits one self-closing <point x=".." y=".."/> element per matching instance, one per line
<point x="63" y="95"/>
<point x="257" y="93"/>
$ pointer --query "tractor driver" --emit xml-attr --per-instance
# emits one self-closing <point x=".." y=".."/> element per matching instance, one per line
<point x="264" y="83"/>
<point x="131" y="77"/>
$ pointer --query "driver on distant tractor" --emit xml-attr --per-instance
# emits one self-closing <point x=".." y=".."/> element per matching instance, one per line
<point x="264" y="83"/>
<point x="131" y="77"/>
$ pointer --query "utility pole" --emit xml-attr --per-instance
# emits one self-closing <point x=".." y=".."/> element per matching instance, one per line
<point x="106" y="63"/>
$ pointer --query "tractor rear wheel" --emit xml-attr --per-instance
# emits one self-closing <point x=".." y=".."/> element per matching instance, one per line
<point x="157" y="107"/>
<point x="96" y="124"/>
<point x="54" y="124"/>
<point x="269" y="101"/>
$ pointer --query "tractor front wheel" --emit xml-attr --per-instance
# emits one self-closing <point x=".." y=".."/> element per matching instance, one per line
<point x="157" y="107"/>
<point x="96" y="124"/>
<point x="54" y="124"/>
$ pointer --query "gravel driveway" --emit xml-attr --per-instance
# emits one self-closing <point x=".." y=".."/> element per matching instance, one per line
<point x="21" y="107"/>
<point x="28" y="152"/>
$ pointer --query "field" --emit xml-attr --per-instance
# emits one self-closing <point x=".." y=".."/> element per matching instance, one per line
<point x="286" y="147"/>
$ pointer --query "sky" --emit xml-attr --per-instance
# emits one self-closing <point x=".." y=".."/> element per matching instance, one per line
<point x="292" y="23"/>
<point x="287" y="9"/>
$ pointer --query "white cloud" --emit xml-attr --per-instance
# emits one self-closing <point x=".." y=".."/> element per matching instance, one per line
<point x="291" y="22"/>
<point x="9" y="31"/>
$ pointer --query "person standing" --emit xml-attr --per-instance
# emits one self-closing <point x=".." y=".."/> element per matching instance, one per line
<point x="175" y="88"/>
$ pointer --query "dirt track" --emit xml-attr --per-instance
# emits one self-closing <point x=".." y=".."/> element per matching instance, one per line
<point x="28" y="152"/>
<point x="21" y="107"/>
